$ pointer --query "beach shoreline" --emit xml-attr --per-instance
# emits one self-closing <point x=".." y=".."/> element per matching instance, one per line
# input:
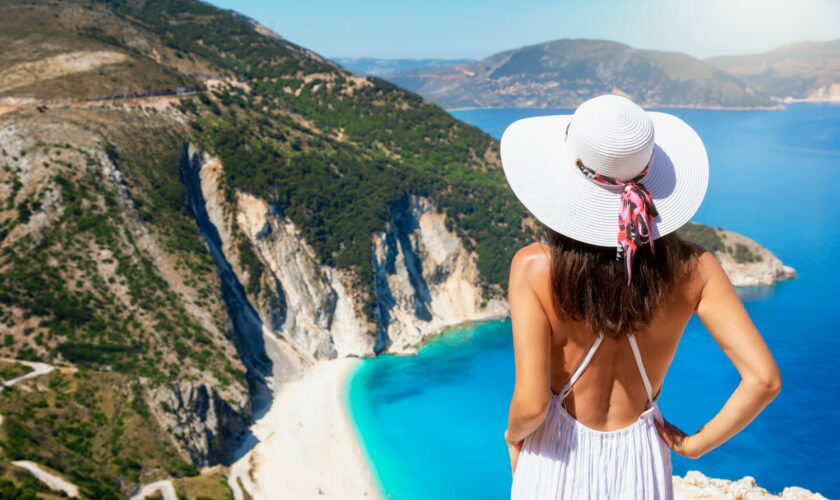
<point x="308" y="444"/>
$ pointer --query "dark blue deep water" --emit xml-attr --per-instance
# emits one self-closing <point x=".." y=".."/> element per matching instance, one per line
<point x="432" y="424"/>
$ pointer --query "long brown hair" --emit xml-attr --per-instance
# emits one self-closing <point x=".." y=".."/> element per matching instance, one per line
<point x="589" y="284"/>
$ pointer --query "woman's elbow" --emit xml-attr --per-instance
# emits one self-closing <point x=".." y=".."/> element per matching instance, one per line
<point x="774" y="385"/>
<point x="769" y="384"/>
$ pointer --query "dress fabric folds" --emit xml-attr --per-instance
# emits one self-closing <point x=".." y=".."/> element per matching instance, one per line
<point x="564" y="459"/>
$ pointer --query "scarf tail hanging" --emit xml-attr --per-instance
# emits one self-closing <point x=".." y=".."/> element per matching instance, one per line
<point x="637" y="210"/>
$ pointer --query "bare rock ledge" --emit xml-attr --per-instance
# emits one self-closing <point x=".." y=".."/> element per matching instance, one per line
<point x="696" y="486"/>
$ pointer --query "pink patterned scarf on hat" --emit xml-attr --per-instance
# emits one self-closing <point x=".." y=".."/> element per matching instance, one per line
<point x="634" y="218"/>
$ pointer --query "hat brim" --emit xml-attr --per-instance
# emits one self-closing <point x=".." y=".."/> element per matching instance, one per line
<point x="553" y="189"/>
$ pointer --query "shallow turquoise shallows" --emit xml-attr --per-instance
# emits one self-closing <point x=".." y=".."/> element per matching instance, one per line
<point x="432" y="424"/>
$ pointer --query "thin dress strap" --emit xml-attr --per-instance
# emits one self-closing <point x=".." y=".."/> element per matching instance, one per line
<point x="582" y="366"/>
<point x="638" y="355"/>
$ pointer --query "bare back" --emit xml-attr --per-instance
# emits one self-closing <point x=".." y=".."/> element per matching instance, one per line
<point x="610" y="393"/>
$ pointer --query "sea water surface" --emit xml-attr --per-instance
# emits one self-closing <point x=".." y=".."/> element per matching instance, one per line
<point x="432" y="424"/>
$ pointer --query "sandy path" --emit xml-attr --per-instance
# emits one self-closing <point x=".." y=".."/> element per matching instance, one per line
<point x="308" y="446"/>
<point x="37" y="370"/>
<point x="54" y="482"/>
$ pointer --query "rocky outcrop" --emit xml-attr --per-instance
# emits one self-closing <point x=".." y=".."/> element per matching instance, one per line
<point x="203" y="425"/>
<point x="424" y="278"/>
<point x="696" y="486"/>
<point x="749" y="264"/>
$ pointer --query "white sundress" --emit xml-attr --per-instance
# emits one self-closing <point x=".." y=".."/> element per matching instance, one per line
<point x="564" y="459"/>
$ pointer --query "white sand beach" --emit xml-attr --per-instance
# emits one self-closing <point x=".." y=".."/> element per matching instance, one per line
<point x="308" y="446"/>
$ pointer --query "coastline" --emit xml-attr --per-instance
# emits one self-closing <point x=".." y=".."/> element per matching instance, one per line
<point x="308" y="444"/>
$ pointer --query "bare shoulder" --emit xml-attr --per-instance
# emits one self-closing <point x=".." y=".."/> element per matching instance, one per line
<point x="531" y="260"/>
<point x="707" y="263"/>
<point x="707" y="269"/>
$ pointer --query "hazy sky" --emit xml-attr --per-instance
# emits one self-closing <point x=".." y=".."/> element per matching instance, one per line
<point x="478" y="28"/>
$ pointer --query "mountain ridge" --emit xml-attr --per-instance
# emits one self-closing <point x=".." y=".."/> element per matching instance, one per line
<point x="802" y="71"/>
<point x="566" y="72"/>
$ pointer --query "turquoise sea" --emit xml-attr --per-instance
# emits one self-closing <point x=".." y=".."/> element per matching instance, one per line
<point x="432" y="424"/>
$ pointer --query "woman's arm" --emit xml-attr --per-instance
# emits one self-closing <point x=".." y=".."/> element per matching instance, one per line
<point x="723" y="314"/>
<point x="531" y="346"/>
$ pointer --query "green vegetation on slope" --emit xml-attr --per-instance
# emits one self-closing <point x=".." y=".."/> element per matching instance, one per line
<point x="712" y="239"/>
<point x="10" y="370"/>
<point x="333" y="151"/>
<point x="58" y="277"/>
<point x="92" y="427"/>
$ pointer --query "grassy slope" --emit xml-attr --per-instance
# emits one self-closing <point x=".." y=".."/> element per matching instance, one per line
<point x="95" y="429"/>
<point x="83" y="287"/>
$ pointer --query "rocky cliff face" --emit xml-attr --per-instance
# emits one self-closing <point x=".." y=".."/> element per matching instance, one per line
<point x="202" y="424"/>
<point x="826" y="93"/>
<point x="425" y="280"/>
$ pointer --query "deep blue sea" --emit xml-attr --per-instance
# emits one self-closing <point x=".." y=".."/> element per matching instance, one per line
<point x="432" y="424"/>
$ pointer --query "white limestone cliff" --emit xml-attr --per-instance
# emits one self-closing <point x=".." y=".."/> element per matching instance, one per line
<point x="425" y="280"/>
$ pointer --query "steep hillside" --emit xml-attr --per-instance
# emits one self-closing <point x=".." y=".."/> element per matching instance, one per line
<point x="567" y="72"/>
<point x="808" y="71"/>
<point x="195" y="210"/>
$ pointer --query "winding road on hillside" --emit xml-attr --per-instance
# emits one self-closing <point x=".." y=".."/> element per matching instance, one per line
<point x="164" y="487"/>
<point x="38" y="369"/>
<point x="55" y="482"/>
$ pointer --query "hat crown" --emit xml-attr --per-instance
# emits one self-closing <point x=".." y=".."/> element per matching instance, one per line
<point x="611" y="135"/>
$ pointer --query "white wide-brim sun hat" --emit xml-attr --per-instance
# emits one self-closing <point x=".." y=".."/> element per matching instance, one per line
<point x="613" y="136"/>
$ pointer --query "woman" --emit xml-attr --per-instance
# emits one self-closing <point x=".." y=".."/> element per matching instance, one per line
<point x="599" y="308"/>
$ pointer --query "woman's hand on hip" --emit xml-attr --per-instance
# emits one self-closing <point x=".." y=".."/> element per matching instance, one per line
<point x="682" y="443"/>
